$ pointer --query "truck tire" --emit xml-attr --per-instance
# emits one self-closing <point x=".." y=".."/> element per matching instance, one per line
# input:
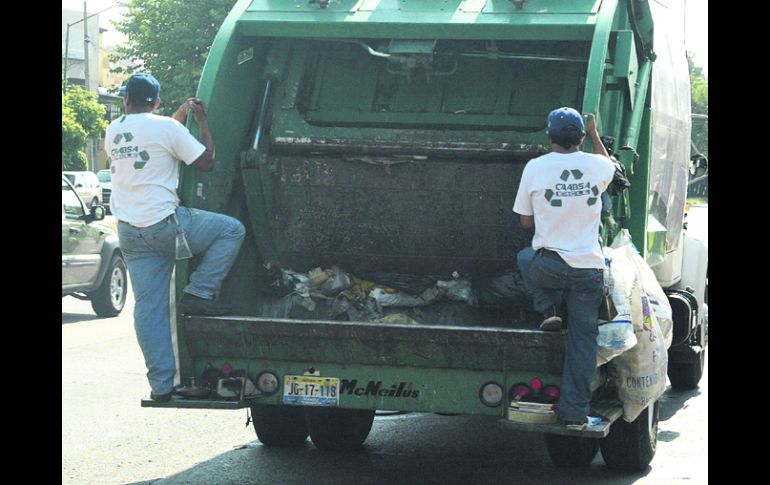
<point x="279" y="426"/>
<point x="686" y="375"/>
<point x="571" y="451"/>
<point x="339" y="429"/>
<point x="108" y="300"/>
<point x="631" y="446"/>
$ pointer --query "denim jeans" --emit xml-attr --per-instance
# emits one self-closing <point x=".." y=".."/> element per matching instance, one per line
<point x="550" y="280"/>
<point x="150" y="255"/>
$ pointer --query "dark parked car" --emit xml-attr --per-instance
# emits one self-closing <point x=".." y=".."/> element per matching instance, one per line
<point x="92" y="266"/>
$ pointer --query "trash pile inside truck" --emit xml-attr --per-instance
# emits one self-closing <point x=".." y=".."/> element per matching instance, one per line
<point x="337" y="295"/>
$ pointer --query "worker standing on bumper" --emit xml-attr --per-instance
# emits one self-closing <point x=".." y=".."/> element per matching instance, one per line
<point x="560" y="196"/>
<point x="154" y="230"/>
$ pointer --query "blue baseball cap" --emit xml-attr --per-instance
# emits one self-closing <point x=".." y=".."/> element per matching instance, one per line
<point x="141" y="86"/>
<point x="560" y="120"/>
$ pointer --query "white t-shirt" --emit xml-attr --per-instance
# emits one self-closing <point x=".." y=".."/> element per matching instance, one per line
<point x="144" y="150"/>
<point x="563" y="191"/>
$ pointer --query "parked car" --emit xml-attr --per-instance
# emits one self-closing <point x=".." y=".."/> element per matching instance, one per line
<point x="105" y="180"/>
<point x="92" y="265"/>
<point x="87" y="186"/>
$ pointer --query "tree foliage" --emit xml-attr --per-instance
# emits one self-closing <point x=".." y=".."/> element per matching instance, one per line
<point x="171" y="40"/>
<point x="82" y="117"/>
<point x="699" y="89"/>
<point x="73" y="137"/>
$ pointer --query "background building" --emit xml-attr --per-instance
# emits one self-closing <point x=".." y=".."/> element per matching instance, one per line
<point x="85" y="41"/>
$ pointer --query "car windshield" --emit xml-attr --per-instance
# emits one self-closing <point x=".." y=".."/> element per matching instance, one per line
<point x="70" y="177"/>
<point x="103" y="175"/>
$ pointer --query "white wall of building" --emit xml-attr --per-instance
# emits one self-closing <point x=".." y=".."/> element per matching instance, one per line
<point x="76" y="52"/>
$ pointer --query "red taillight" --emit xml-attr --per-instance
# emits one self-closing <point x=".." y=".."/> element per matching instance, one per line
<point x="536" y="384"/>
<point x="520" y="391"/>
<point x="550" y="393"/>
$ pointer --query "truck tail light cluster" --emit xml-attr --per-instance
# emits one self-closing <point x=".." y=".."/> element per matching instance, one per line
<point x="534" y="391"/>
<point x="550" y="394"/>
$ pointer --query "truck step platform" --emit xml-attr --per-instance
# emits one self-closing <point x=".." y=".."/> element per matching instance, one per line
<point x="609" y="411"/>
<point x="184" y="403"/>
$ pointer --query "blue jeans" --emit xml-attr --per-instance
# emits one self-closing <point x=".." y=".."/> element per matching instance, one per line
<point x="550" y="279"/>
<point x="150" y="255"/>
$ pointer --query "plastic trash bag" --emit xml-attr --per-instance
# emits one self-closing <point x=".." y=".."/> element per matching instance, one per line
<point x="400" y="299"/>
<point x="408" y="283"/>
<point x="300" y="285"/>
<point x="649" y="285"/>
<point x="355" y="304"/>
<point x="639" y="372"/>
<point x="335" y="282"/>
<point x="501" y="290"/>
<point x="457" y="290"/>
<point x="615" y="337"/>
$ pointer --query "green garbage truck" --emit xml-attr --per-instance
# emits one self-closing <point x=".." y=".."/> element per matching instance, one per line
<point x="373" y="148"/>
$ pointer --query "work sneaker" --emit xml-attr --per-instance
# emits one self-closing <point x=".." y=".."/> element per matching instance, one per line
<point x="551" y="321"/>
<point x="161" y="397"/>
<point x="195" y="305"/>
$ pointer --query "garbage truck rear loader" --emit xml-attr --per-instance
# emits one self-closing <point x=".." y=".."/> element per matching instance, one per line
<point x="373" y="149"/>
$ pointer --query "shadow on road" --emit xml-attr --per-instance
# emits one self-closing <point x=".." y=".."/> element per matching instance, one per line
<point x="67" y="318"/>
<point x="674" y="401"/>
<point x="459" y="450"/>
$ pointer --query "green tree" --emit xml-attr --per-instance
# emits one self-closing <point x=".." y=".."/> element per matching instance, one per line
<point x="171" y="39"/>
<point x="73" y="137"/>
<point x="699" y="88"/>
<point x="82" y="117"/>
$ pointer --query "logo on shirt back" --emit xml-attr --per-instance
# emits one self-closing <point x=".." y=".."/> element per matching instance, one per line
<point x="572" y="188"/>
<point x="124" y="152"/>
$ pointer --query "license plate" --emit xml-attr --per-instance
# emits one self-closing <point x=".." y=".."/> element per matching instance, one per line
<point x="311" y="391"/>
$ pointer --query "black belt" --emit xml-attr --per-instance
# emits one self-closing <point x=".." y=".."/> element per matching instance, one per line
<point x="550" y="254"/>
<point x="168" y="220"/>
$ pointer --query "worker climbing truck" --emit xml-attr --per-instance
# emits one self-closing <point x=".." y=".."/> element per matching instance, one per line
<point x="373" y="149"/>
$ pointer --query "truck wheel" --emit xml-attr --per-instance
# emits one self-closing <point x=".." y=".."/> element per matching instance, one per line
<point x="338" y="429"/>
<point x="686" y="375"/>
<point x="571" y="451"/>
<point x="631" y="446"/>
<point x="109" y="298"/>
<point x="281" y="426"/>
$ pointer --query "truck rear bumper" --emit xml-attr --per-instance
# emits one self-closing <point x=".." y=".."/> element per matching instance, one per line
<point x="609" y="411"/>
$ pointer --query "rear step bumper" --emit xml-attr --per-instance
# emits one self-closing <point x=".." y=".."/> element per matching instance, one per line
<point x="609" y="411"/>
<point x="182" y="403"/>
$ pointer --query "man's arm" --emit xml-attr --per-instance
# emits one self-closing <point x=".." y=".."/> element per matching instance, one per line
<point x="596" y="140"/>
<point x="205" y="162"/>
<point x="527" y="222"/>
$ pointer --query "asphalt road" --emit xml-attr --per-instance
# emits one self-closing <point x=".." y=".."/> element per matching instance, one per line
<point x="107" y="438"/>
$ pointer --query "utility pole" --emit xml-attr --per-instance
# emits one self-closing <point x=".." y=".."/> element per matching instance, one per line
<point x="67" y="45"/>
<point x="85" y="44"/>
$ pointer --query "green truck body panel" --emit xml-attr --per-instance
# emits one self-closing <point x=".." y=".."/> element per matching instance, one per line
<point x="391" y="136"/>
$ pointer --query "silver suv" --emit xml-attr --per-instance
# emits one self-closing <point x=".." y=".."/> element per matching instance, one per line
<point x="92" y="266"/>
